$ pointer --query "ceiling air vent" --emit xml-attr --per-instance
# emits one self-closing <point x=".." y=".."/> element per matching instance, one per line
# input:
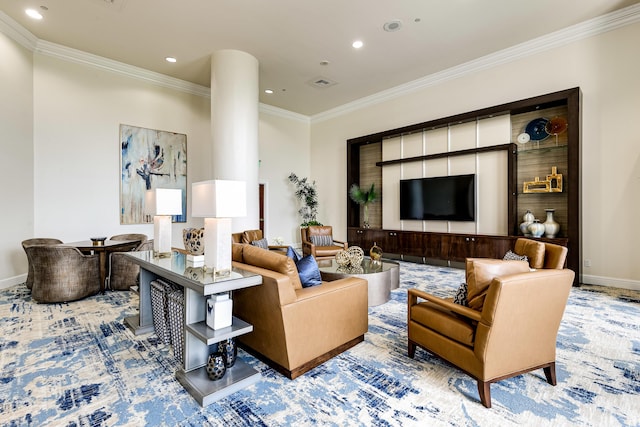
<point x="321" y="82"/>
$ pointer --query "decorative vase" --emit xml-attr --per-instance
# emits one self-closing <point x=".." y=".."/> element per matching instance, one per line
<point x="375" y="253"/>
<point x="551" y="227"/>
<point x="366" y="216"/>
<point x="229" y="348"/>
<point x="527" y="219"/>
<point x="536" y="228"/>
<point x="216" y="366"/>
<point x="193" y="239"/>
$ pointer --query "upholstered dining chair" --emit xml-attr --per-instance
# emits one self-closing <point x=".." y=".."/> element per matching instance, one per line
<point x="62" y="273"/>
<point x="508" y="327"/>
<point x="33" y="242"/>
<point x="317" y="240"/>
<point x="130" y="236"/>
<point x="123" y="274"/>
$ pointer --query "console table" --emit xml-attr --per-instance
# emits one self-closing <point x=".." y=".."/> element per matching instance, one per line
<point x="198" y="337"/>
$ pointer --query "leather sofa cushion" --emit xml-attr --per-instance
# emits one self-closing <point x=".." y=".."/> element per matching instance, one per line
<point x="533" y="249"/>
<point x="251" y="235"/>
<point x="236" y="252"/>
<point x="272" y="260"/>
<point x="444" y="322"/>
<point x="481" y="272"/>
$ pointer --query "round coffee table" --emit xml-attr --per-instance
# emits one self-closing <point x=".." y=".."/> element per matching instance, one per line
<point x="382" y="276"/>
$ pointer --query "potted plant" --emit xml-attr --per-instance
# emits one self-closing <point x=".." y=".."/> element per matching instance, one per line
<point x="307" y="194"/>
<point x="363" y="198"/>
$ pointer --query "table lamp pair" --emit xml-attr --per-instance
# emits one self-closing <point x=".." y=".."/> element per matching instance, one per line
<point x="217" y="201"/>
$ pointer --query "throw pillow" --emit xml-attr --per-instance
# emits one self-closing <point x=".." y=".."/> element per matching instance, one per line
<point x="308" y="271"/>
<point x="322" y="240"/>
<point x="512" y="256"/>
<point x="262" y="243"/>
<point x="481" y="272"/>
<point x="461" y="295"/>
<point x="291" y="253"/>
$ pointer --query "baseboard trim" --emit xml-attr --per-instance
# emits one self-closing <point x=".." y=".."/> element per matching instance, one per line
<point x="610" y="282"/>
<point x="12" y="281"/>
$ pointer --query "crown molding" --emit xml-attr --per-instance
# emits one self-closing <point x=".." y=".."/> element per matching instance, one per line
<point x="17" y="32"/>
<point x="583" y="30"/>
<point x="73" y="55"/>
<point x="286" y="114"/>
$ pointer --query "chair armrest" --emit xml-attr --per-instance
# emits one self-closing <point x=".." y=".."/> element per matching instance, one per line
<point x="467" y="312"/>
<point x="340" y="243"/>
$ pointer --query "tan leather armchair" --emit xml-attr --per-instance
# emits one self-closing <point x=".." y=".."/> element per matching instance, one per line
<point x="541" y="254"/>
<point x="509" y="328"/>
<point x="249" y="236"/>
<point x="322" y="250"/>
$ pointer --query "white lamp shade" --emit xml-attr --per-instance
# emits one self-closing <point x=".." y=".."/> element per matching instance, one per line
<point x="219" y="199"/>
<point x="163" y="201"/>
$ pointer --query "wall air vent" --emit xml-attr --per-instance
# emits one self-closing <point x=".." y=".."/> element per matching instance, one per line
<point x="321" y="82"/>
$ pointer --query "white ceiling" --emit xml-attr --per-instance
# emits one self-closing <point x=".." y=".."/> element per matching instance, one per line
<point x="290" y="38"/>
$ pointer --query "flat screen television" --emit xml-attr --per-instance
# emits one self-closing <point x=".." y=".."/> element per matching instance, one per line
<point x="444" y="198"/>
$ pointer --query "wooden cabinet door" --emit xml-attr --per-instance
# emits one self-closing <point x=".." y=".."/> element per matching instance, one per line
<point x="411" y="243"/>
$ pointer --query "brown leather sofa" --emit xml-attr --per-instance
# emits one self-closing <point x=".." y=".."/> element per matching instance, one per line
<point x="320" y="251"/>
<point x="511" y="322"/>
<point x="296" y="329"/>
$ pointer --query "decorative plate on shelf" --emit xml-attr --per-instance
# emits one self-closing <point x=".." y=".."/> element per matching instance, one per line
<point x="556" y="126"/>
<point x="537" y="129"/>
<point x="523" y="138"/>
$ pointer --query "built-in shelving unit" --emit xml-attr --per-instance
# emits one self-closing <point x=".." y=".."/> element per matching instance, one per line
<point x="525" y="162"/>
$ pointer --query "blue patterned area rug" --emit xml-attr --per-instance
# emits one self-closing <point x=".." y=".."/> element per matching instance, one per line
<point x="77" y="365"/>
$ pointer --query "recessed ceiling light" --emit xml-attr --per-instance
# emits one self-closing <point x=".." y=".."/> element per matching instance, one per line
<point x="269" y="91"/>
<point x="32" y="13"/>
<point x="324" y="62"/>
<point x="170" y="59"/>
<point x="357" y="44"/>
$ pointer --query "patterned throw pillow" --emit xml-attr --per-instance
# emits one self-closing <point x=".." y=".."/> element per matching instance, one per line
<point x="262" y="243"/>
<point x="512" y="256"/>
<point x="322" y="240"/>
<point x="461" y="295"/>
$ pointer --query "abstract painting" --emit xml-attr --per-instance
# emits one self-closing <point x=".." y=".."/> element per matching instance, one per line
<point x="150" y="159"/>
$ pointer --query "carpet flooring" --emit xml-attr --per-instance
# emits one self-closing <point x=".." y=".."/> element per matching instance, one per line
<point x="76" y="364"/>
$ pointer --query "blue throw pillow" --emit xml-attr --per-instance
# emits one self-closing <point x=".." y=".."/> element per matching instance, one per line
<point x="308" y="271"/>
<point x="291" y="253"/>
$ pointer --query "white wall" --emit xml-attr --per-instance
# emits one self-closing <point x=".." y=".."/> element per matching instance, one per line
<point x="77" y="115"/>
<point x="63" y="123"/>
<point x="284" y="148"/>
<point x="16" y="161"/>
<point x="603" y="66"/>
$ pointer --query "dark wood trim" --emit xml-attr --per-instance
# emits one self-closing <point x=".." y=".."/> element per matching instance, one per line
<point x="571" y="98"/>
<point x="448" y="154"/>
<point x="296" y="372"/>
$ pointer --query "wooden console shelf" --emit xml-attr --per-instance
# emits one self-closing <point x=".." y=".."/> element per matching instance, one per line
<point x="525" y="162"/>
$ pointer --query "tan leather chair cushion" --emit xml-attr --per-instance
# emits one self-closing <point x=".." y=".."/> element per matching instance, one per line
<point x="444" y="322"/>
<point x="554" y="256"/>
<point x="481" y="271"/>
<point x="534" y="250"/>
<point x="251" y="235"/>
<point x="272" y="260"/>
<point x="320" y="230"/>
